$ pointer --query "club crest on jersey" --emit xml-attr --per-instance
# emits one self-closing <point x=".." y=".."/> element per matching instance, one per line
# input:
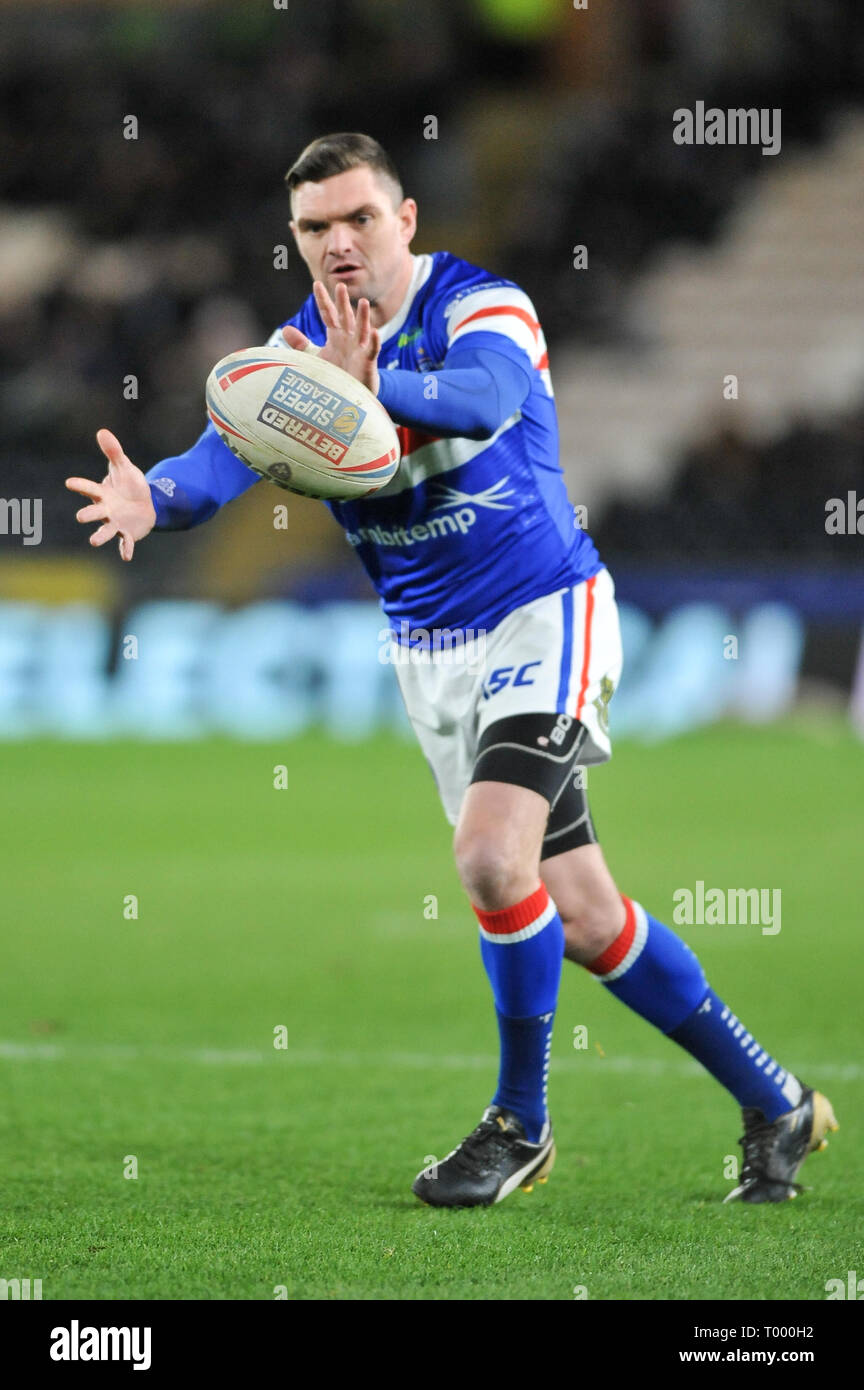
<point x="305" y="410"/>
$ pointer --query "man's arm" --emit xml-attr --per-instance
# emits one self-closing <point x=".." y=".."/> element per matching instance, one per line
<point x="477" y="388"/>
<point x="191" y="487"/>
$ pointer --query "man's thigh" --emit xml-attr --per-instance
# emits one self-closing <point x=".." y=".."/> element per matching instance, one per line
<point x="441" y="702"/>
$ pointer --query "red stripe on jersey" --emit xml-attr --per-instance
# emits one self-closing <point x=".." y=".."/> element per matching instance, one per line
<point x="501" y="309"/>
<point x="509" y="919"/>
<point x="409" y="439"/>
<point x="617" y="950"/>
<point x="586" y="659"/>
<point x="543" y="363"/>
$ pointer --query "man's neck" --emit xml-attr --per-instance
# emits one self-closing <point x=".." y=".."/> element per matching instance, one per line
<point x="386" y="308"/>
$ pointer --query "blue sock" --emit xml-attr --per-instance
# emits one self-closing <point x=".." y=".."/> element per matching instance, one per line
<point x="656" y="974"/>
<point x="523" y="949"/>
<point x="713" y="1035"/>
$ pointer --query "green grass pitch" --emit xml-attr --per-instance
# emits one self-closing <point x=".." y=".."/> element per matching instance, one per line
<point x="151" y="1038"/>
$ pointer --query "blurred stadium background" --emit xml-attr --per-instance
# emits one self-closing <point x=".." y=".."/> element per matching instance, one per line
<point x="128" y="266"/>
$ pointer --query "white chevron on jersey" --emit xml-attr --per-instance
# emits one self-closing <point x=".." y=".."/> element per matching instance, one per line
<point x="441" y="456"/>
<point x="500" y="309"/>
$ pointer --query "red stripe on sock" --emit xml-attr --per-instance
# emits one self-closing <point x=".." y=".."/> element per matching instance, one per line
<point x="617" y="949"/>
<point x="509" y="919"/>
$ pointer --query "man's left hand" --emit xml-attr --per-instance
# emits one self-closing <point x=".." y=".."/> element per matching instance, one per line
<point x="352" y="343"/>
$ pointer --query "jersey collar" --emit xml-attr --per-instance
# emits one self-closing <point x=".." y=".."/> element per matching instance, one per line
<point x="422" y="271"/>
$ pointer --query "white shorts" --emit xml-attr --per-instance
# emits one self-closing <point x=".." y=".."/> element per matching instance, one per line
<point x="558" y="654"/>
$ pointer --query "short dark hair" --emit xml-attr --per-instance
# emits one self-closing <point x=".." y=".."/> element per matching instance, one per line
<point x="334" y="154"/>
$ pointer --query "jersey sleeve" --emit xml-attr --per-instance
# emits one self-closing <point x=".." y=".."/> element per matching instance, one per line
<point x="190" y="488"/>
<point x="470" y="397"/>
<point x="497" y="311"/>
<point x="488" y="341"/>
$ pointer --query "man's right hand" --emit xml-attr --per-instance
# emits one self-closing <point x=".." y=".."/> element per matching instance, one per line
<point x="122" y="501"/>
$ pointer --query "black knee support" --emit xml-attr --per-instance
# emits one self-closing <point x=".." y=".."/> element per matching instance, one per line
<point x="541" y="752"/>
<point x="536" y="751"/>
<point x="569" y="824"/>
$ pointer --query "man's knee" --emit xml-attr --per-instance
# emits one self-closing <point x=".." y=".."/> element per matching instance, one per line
<point x="492" y="875"/>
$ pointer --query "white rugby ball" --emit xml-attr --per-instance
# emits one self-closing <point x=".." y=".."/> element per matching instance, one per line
<point x="306" y="425"/>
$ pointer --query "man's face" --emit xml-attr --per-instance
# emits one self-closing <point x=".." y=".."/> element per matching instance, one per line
<point x="347" y="229"/>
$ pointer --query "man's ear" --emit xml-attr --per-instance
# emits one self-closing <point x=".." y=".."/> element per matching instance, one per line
<point x="293" y="226"/>
<point x="408" y="219"/>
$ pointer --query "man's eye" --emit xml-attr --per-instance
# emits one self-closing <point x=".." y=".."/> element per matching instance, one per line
<point x="363" y="217"/>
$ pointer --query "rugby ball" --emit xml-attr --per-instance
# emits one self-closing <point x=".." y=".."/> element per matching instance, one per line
<point x="302" y="423"/>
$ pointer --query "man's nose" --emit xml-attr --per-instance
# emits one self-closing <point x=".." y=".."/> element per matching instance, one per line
<point x="339" y="242"/>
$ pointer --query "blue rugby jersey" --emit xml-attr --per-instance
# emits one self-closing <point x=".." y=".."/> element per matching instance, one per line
<point x="469" y="528"/>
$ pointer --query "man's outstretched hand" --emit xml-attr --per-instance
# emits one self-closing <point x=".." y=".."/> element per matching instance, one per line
<point x="122" y="501"/>
<point x="352" y="343"/>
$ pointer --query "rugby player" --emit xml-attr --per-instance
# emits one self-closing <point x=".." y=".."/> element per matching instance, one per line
<point x="475" y="532"/>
